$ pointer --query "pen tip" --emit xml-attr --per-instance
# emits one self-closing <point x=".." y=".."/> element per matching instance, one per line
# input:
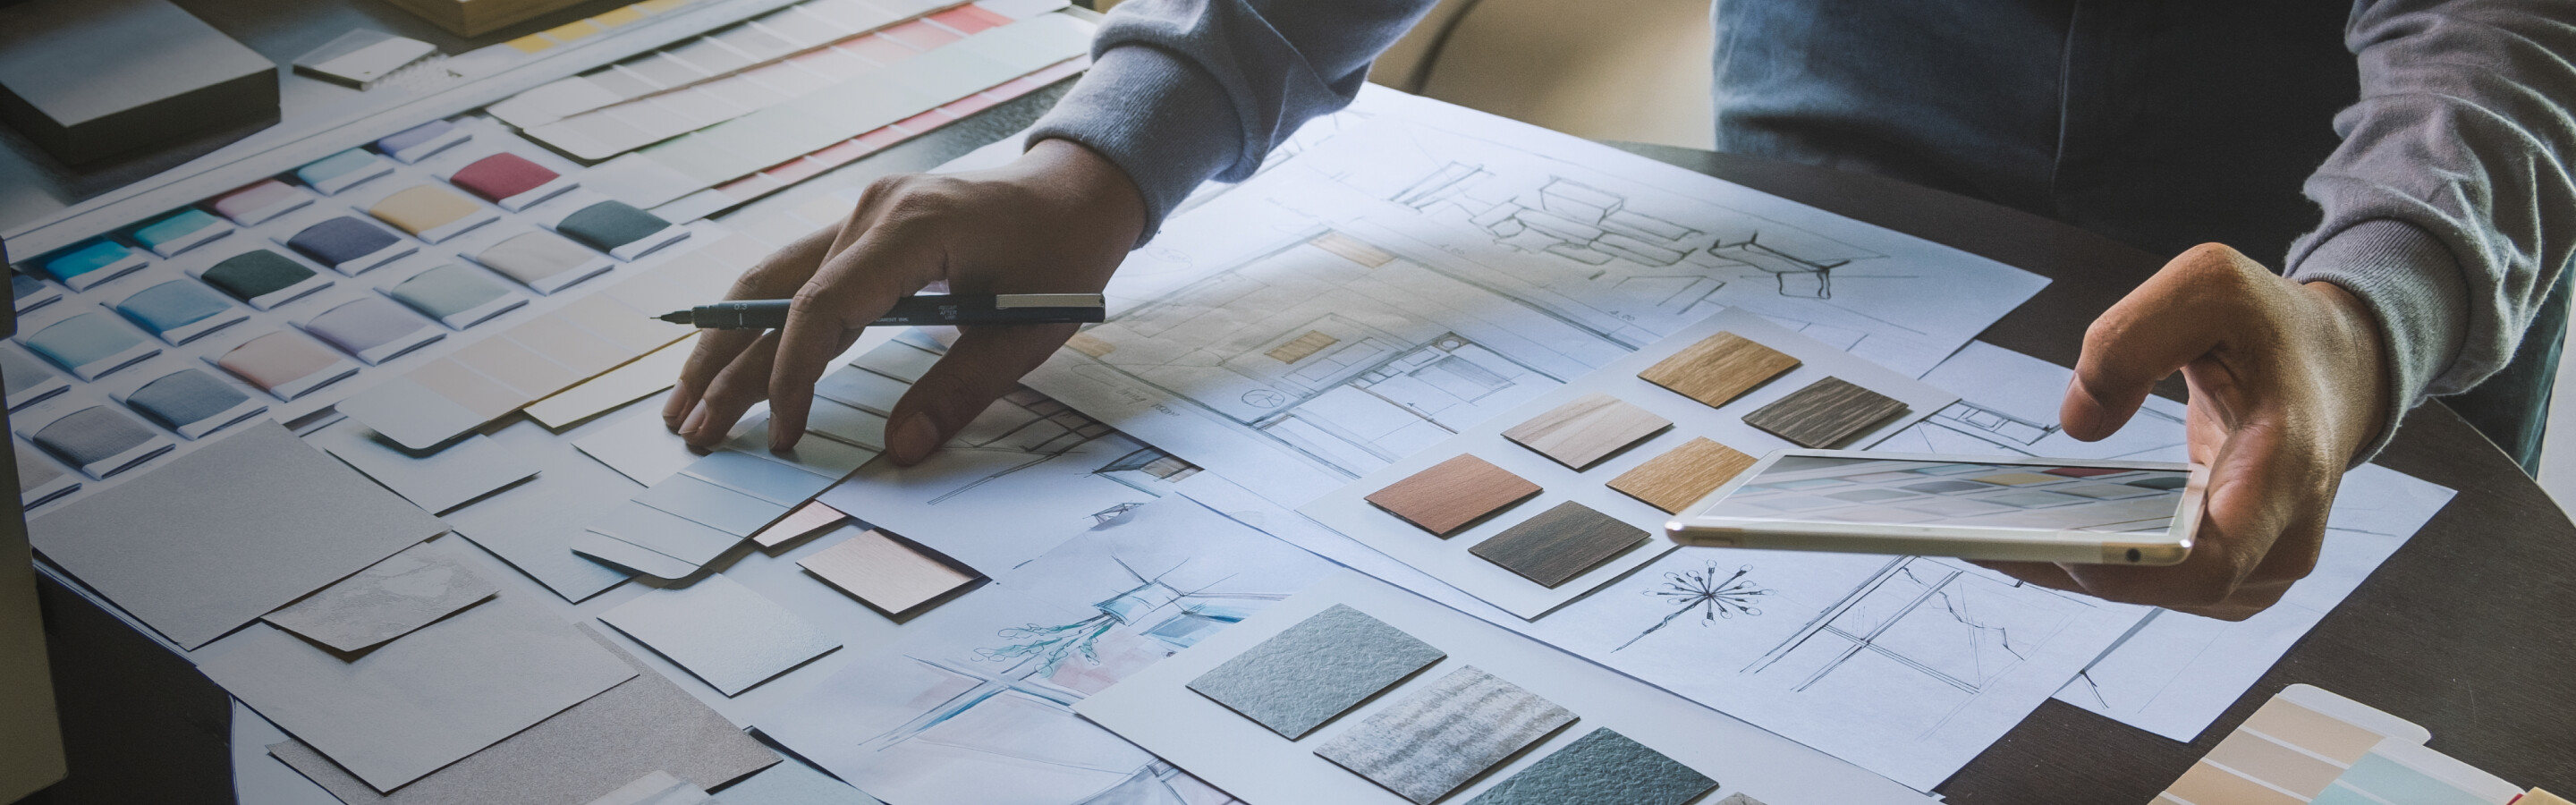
<point x="677" y="317"/>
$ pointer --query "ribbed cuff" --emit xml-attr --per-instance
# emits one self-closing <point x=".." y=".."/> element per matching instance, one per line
<point x="2413" y="288"/>
<point x="1161" y="119"/>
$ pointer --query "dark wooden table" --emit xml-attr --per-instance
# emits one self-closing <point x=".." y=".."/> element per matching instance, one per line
<point x="2470" y="630"/>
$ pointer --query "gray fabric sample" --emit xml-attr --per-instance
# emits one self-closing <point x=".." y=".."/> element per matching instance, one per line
<point x="220" y="536"/>
<point x="1309" y="673"/>
<point x="426" y="700"/>
<point x="1435" y="740"/>
<point x="721" y="631"/>
<point x="184" y="398"/>
<point x="791" y="782"/>
<point x="98" y="440"/>
<point x="646" y="724"/>
<point x="1603" y="768"/>
<point x="404" y="592"/>
<point x="471" y="468"/>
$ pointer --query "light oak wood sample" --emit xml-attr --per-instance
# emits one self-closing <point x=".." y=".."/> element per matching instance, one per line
<point x="1579" y="434"/>
<point x="1824" y="414"/>
<point x="885" y="572"/>
<point x="1559" y="544"/>
<point x="1681" y="477"/>
<point x="1453" y="493"/>
<point x="1718" y="369"/>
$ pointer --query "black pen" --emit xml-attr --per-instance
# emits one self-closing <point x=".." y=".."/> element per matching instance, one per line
<point x="1009" y="308"/>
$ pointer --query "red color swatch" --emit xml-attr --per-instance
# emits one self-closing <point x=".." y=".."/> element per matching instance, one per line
<point x="501" y="176"/>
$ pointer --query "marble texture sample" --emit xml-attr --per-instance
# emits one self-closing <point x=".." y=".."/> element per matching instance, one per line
<point x="1581" y="433"/>
<point x="1427" y="744"/>
<point x="1682" y="476"/>
<point x="1310" y="673"/>
<point x="389" y="599"/>
<point x="1559" y="544"/>
<point x="1451" y="494"/>
<point x="1824" y="413"/>
<point x="1602" y="768"/>
<point x="1719" y="369"/>
<point x="721" y="631"/>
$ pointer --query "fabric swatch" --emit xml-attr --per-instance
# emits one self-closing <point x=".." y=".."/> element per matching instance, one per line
<point x="612" y="226"/>
<point x="420" y="142"/>
<point x="438" y="482"/>
<point x="373" y="329"/>
<point x="456" y="296"/>
<point x="1559" y="544"/>
<point x="642" y="725"/>
<point x="543" y="261"/>
<point x="263" y="279"/>
<point x="179" y="311"/>
<point x="389" y="599"/>
<point x="1580" y="433"/>
<point x="721" y="631"/>
<point x="27" y="380"/>
<point x="28" y="293"/>
<point x="286" y="364"/>
<point x="510" y="181"/>
<point x="100" y="441"/>
<point x="90" y="345"/>
<point x="184" y="230"/>
<point x="1451" y="494"/>
<point x="260" y="201"/>
<point x="88" y="266"/>
<point x="431" y="212"/>
<point x="1316" y="670"/>
<point x="343" y="170"/>
<point x="889" y="574"/>
<point x="219" y="536"/>
<point x="432" y="698"/>
<point x="1718" y="369"/>
<point x="192" y="403"/>
<point x="1602" y="768"/>
<point x="1824" y="414"/>
<point x="1682" y="476"/>
<point x="39" y="480"/>
<point x="349" y="245"/>
<point x="1427" y="744"/>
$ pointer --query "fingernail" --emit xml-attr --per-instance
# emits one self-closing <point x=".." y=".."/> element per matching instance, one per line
<point x="697" y="419"/>
<point x="780" y="442"/>
<point x="913" y="440"/>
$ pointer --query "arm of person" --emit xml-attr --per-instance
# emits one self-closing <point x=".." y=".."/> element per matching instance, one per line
<point x="2450" y="209"/>
<point x="1179" y="91"/>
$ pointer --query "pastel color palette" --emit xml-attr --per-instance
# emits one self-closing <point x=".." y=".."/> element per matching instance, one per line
<point x="431" y="212"/>
<point x="180" y="311"/>
<point x="1429" y="743"/>
<point x="349" y="245"/>
<point x="192" y="403"/>
<point x="374" y="329"/>
<point x="90" y="345"/>
<point x="456" y="296"/>
<point x="420" y="142"/>
<point x="343" y="170"/>
<point x="40" y="480"/>
<point x="263" y="279"/>
<point x="511" y="181"/>
<point x="543" y="261"/>
<point x="1602" y="768"/>
<point x="1314" y="671"/>
<point x="100" y="441"/>
<point x="1447" y="496"/>
<point x="27" y="380"/>
<point x="28" y="293"/>
<point x="97" y="262"/>
<point x="286" y="364"/>
<point x="261" y="202"/>
<point x="188" y="229"/>
<point x="619" y="229"/>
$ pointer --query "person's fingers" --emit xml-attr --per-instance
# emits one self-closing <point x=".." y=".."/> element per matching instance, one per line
<point x="774" y="277"/>
<point x="985" y="364"/>
<point x="2176" y="316"/>
<point x="733" y="390"/>
<point x="897" y="253"/>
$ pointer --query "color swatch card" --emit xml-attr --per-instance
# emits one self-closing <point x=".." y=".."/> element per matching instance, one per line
<point x="99" y="440"/>
<point x="1499" y="720"/>
<point x="726" y="634"/>
<point x="40" y="480"/>
<point x="1544" y="503"/>
<point x="2291" y="750"/>
<point x="193" y="402"/>
<point x="890" y="574"/>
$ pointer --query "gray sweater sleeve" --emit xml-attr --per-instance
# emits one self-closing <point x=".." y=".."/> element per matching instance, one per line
<point x="1182" y="91"/>
<point x="2450" y="207"/>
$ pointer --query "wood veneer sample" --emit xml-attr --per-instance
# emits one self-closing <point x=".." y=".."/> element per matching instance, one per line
<point x="1718" y="369"/>
<point x="1681" y="477"/>
<point x="1452" y="494"/>
<point x="1560" y="543"/>
<point x="884" y="572"/>
<point x="1824" y="414"/>
<point x="1579" y="434"/>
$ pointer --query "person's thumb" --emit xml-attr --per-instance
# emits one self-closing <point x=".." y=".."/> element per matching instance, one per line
<point x="2176" y="316"/>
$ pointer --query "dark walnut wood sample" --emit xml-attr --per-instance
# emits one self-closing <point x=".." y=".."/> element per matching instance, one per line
<point x="1451" y="494"/>
<point x="1559" y="544"/>
<point x="1718" y="369"/>
<point x="1682" y="476"/>
<point x="1580" y="433"/>
<point x="1824" y="414"/>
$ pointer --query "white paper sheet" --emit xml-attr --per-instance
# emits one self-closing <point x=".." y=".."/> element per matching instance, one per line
<point x="973" y="706"/>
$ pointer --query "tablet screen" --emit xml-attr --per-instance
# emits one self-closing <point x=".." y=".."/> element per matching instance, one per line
<point x="1834" y="489"/>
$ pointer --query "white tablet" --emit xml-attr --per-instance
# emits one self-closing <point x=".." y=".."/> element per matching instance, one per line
<point x="1971" y="507"/>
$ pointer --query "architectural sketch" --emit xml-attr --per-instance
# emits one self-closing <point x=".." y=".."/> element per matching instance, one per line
<point x="1704" y="591"/>
<point x="1172" y="617"/>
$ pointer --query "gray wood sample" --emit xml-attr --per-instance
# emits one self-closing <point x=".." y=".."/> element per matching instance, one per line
<point x="1602" y="768"/>
<point x="721" y="631"/>
<point x="220" y="536"/>
<point x="1427" y="744"/>
<point x="643" y="725"/>
<point x="1451" y="494"/>
<point x="389" y="599"/>
<point x="1559" y="544"/>
<point x="1824" y="413"/>
<point x="1580" y="433"/>
<point x="1718" y="369"/>
<point x="1313" y="671"/>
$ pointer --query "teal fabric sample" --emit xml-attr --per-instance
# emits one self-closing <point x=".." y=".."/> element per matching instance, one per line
<point x="172" y="305"/>
<point x="185" y="397"/>
<point x="88" y="258"/>
<point x="254" y="274"/>
<point x="1313" y="671"/>
<point x="175" y="227"/>
<point x="1603" y="768"/>
<point x="610" y="224"/>
<point x="447" y="290"/>
<point x="82" y="340"/>
<point x="335" y="166"/>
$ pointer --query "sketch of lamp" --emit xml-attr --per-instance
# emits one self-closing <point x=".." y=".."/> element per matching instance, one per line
<point x="1806" y="279"/>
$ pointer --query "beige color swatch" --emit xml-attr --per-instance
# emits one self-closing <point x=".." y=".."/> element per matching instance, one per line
<point x="625" y="384"/>
<point x="884" y="572"/>
<point x="1579" y="434"/>
<point x="1718" y="369"/>
<point x="813" y="517"/>
<point x="1681" y="477"/>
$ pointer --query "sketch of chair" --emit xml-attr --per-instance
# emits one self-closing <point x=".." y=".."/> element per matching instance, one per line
<point x="1563" y="217"/>
<point x="1992" y="425"/>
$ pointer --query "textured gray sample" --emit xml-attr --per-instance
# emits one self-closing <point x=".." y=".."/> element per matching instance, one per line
<point x="791" y="782"/>
<point x="220" y="536"/>
<point x="471" y="468"/>
<point x="721" y="631"/>
<point x="424" y="701"/>
<point x="1308" y="673"/>
<point x="1603" y="768"/>
<point x="644" y="725"/>
<point x="1738" y="798"/>
<point x="1427" y="744"/>
<point x="389" y="599"/>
